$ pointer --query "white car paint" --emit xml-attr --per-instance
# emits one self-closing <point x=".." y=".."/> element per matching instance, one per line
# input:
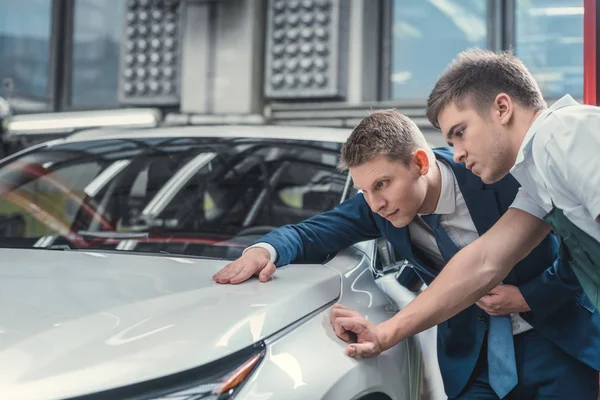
<point x="76" y="322"/>
<point x="116" y="319"/>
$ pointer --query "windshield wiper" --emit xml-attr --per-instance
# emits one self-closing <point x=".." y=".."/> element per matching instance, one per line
<point x="114" y="235"/>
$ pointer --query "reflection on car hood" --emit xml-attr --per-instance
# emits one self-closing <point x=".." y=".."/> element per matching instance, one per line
<point x="78" y="322"/>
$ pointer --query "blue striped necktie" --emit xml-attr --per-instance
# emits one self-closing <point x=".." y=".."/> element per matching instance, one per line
<point x="502" y="367"/>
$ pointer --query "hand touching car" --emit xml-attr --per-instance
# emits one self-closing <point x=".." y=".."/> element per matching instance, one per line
<point x="369" y="337"/>
<point x="254" y="261"/>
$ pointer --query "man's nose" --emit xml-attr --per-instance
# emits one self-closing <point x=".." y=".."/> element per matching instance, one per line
<point x="459" y="155"/>
<point x="377" y="203"/>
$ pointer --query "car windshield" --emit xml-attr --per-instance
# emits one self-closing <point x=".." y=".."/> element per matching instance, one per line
<point x="206" y="197"/>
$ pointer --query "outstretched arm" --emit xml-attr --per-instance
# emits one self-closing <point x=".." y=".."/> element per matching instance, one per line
<point x="309" y="241"/>
<point x="470" y="274"/>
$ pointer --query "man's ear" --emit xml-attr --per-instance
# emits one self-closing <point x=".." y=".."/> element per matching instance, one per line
<point x="503" y="108"/>
<point x="421" y="159"/>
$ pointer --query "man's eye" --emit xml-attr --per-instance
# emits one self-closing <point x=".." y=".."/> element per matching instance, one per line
<point x="459" y="133"/>
<point x="380" y="185"/>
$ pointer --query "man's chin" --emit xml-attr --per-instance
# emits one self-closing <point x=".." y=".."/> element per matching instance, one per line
<point x="398" y="223"/>
<point x="486" y="180"/>
<point x="490" y="179"/>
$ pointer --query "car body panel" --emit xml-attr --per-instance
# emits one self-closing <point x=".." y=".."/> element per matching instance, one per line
<point x="78" y="322"/>
<point x="289" y="369"/>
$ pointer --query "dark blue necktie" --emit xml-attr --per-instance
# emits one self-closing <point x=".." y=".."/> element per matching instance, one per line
<point x="502" y="366"/>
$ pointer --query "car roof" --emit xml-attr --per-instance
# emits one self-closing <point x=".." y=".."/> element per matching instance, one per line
<point x="337" y="135"/>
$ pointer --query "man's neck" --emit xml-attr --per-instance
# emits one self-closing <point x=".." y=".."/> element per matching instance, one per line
<point x="434" y="189"/>
<point x="522" y="127"/>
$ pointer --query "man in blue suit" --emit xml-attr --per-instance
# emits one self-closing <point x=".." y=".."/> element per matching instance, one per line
<point x="534" y="336"/>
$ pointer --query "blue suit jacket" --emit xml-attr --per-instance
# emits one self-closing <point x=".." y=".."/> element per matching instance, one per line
<point x="560" y="310"/>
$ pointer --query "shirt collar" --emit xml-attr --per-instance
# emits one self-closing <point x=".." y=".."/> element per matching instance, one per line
<point x="566" y="100"/>
<point x="447" y="202"/>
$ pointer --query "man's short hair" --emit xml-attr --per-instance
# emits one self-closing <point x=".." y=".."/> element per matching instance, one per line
<point x="478" y="76"/>
<point x="384" y="132"/>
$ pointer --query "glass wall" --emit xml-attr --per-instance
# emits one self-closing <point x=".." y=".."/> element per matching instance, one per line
<point x="25" y="28"/>
<point x="96" y="48"/>
<point x="426" y="36"/>
<point x="549" y="39"/>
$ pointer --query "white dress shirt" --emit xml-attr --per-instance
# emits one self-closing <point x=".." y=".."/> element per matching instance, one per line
<point x="455" y="219"/>
<point x="559" y="163"/>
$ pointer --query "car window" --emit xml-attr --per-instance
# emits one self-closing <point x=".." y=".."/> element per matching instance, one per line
<point x="198" y="196"/>
<point x="47" y="202"/>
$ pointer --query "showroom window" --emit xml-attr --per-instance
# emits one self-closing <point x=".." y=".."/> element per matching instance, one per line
<point x="25" y="29"/>
<point x="426" y="36"/>
<point x="549" y="39"/>
<point x="97" y="32"/>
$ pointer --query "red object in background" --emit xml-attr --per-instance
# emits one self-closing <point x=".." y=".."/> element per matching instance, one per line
<point x="590" y="38"/>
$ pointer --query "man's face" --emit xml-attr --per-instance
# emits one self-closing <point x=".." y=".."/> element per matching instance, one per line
<point x="393" y="190"/>
<point x="480" y="142"/>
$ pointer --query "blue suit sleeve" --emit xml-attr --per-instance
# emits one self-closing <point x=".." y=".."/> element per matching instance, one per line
<point x="312" y="240"/>
<point x="547" y="293"/>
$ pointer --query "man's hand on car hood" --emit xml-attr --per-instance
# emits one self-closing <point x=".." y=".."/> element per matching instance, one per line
<point x="254" y="261"/>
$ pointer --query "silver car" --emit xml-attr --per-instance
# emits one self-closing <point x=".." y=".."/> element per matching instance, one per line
<point x="110" y="239"/>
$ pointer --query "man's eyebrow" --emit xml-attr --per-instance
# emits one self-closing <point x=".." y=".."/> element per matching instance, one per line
<point x="451" y="133"/>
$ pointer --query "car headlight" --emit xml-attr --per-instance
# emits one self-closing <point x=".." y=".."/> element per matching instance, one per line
<point x="219" y="380"/>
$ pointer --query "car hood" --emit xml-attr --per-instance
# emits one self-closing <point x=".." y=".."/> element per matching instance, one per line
<point x="74" y="322"/>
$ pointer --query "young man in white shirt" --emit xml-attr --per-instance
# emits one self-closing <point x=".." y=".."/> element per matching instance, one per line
<point x="490" y="109"/>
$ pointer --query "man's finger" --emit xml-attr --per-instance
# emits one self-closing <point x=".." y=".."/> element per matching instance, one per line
<point x="483" y="306"/>
<point x="340" y="331"/>
<point x="266" y="272"/>
<point x="365" y="350"/>
<point x="345" y="324"/>
<point x="488" y="301"/>
<point x="244" y="274"/>
<point x="336" y="306"/>
<point x="351" y="351"/>
<point x="227" y="275"/>
<point x="230" y="270"/>
<point x="338" y="312"/>
<point x="339" y="306"/>
<point x="489" y="310"/>
<point x="338" y="316"/>
<point x="221" y="272"/>
<point x="495" y="291"/>
<point x="352" y="324"/>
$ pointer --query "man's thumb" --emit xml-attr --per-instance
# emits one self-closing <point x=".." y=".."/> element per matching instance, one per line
<point x="266" y="272"/>
<point x="359" y="350"/>
<point x="351" y="350"/>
